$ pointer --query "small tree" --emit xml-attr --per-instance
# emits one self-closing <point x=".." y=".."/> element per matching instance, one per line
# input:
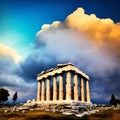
<point x="3" y="95"/>
<point x="113" y="100"/>
<point x="14" y="97"/>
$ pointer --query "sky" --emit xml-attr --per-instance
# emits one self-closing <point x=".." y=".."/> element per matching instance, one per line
<point x="36" y="35"/>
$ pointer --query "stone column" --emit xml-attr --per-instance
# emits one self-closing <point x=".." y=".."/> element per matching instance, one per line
<point x="54" y="87"/>
<point x="87" y="91"/>
<point x="38" y="91"/>
<point x="82" y="89"/>
<point x="43" y="90"/>
<point x="47" y="89"/>
<point x="68" y="86"/>
<point x="60" y="87"/>
<point x="76" y="87"/>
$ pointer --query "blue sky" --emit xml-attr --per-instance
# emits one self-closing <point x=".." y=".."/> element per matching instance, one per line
<point x="23" y="30"/>
<point x="21" y="19"/>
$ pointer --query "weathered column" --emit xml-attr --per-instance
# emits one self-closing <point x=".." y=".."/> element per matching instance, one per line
<point x="68" y="86"/>
<point x="87" y="91"/>
<point x="54" y="87"/>
<point x="82" y="89"/>
<point x="38" y="92"/>
<point x="60" y="87"/>
<point x="43" y="90"/>
<point x="47" y="89"/>
<point x="76" y="87"/>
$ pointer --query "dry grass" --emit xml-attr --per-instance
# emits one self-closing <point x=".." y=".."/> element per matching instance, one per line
<point x="43" y="115"/>
<point x="106" y="115"/>
<point x="36" y="115"/>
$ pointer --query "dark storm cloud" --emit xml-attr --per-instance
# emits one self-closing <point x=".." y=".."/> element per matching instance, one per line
<point x="37" y="62"/>
<point x="7" y="71"/>
<point x="11" y="77"/>
<point x="112" y="84"/>
<point x="12" y="80"/>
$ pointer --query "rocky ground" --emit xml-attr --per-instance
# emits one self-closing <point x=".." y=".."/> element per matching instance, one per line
<point x="45" y="115"/>
<point x="36" y="113"/>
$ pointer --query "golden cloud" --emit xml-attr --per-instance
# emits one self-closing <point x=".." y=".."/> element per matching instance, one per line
<point x="7" y="51"/>
<point x="103" y="32"/>
<point x="96" y="28"/>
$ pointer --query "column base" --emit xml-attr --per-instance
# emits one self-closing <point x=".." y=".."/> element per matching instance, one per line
<point x="70" y="102"/>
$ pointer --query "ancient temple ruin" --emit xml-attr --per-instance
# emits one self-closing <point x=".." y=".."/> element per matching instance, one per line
<point x="63" y="84"/>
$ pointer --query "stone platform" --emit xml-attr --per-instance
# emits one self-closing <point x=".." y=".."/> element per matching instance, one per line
<point x="65" y="102"/>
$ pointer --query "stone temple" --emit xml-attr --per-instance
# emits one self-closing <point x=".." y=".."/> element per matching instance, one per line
<point x="63" y="85"/>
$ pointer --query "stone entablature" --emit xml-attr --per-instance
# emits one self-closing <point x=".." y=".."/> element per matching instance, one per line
<point x="61" y="68"/>
<point x="64" y="89"/>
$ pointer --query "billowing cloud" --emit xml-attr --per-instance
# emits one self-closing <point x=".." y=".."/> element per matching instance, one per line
<point x="81" y="38"/>
<point x="7" y="51"/>
<point x="9" y="64"/>
<point x="10" y="77"/>
<point x="91" y="43"/>
<point x="103" y="32"/>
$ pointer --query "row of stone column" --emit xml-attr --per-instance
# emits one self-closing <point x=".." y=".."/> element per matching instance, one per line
<point x="41" y="94"/>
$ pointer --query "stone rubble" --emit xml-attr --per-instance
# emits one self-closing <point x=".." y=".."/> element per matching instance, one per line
<point x="78" y="110"/>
